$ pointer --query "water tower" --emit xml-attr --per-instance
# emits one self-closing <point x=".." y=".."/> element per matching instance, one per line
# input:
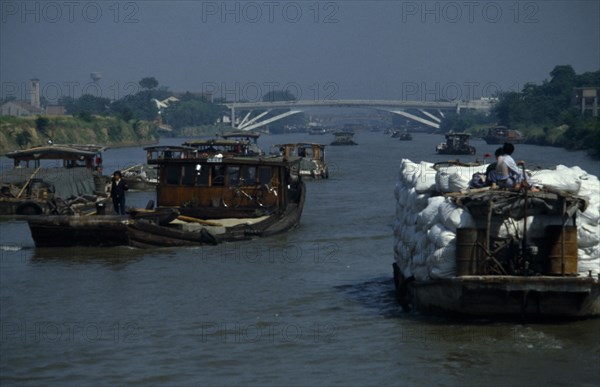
<point x="95" y="77"/>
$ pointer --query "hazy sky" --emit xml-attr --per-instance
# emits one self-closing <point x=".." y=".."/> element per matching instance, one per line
<point x="408" y="50"/>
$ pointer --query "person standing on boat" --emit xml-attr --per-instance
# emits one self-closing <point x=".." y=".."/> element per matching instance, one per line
<point x="508" y="174"/>
<point x="117" y="192"/>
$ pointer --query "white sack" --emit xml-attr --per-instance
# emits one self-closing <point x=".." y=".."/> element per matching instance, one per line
<point x="454" y="217"/>
<point x="425" y="179"/>
<point x="430" y="215"/>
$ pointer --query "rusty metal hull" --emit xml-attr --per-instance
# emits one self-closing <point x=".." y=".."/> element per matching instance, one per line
<point x="509" y="295"/>
<point x="502" y="296"/>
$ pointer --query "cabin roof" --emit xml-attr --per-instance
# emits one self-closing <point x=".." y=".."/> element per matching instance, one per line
<point x="300" y="145"/>
<point x="56" y="152"/>
<point x="247" y="134"/>
<point x="214" y="142"/>
<point x="169" y="148"/>
<point x="191" y="155"/>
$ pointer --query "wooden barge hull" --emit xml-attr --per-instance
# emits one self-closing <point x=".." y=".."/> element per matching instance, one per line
<point x="66" y="231"/>
<point x="108" y="231"/>
<point x="114" y="230"/>
<point x="503" y="296"/>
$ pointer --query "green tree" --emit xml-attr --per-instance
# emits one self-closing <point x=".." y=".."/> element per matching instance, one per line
<point x="543" y="111"/>
<point x="511" y="109"/>
<point x="148" y="83"/>
<point x="90" y="104"/>
<point x="42" y="124"/>
<point x="23" y="139"/>
<point x="192" y="111"/>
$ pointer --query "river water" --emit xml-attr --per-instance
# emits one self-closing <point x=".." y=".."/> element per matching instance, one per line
<point x="312" y="307"/>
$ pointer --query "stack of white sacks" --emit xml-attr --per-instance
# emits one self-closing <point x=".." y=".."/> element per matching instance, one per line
<point x="426" y="222"/>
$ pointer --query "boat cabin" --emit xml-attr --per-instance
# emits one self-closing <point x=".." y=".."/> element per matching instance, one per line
<point x="247" y="137"/>
<point x="227" y="148"/>
<point x="39" y="179"/>
<point x="72" y="156"/>
<point x="302" y="149"/>
<point x="221" y="185"/>
<point x="242" y="135"/>
<point x="313" y="157"/>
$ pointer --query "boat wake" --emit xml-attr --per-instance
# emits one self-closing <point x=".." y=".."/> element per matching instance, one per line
<point x="11" y="247"/>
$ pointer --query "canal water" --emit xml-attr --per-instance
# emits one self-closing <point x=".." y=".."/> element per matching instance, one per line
<point x="312" y="307"/>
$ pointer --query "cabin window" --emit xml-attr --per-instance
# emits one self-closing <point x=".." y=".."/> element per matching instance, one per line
<point x="195" y="174"/>
<point x="249" y="175"/>
<point x="189" y="175"/>
<point x="172" y="174"/>
<point x="202" y="172"/>
<point x="233" y="176"/>
<point x="218" y="175"/>
<point x="264" y="175"/>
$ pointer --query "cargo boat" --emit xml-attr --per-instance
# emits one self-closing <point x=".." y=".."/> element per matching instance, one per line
<point x="202" y="198"/>
<point x="343" y="138"/>
<point x="140" y="177"/>
<point x="531" y="251"/>
<point x="501" y="134"/>
<point x="496" y="277"/>
<point x="456" y="144"/>
<point x="402" y="135"/>
<point x="53" y="179"/>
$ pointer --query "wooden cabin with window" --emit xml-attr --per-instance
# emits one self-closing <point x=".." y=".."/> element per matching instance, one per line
<point x="312" y="154"/>
<point x="225" y="185"/>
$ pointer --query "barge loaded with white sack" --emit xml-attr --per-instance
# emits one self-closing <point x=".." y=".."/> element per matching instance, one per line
<point x="528" y="251"/>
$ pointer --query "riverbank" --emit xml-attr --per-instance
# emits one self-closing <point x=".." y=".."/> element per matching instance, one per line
<point x="572" y="139"/>
<point x="22" y="132"/>
<point x="202" y="131"/>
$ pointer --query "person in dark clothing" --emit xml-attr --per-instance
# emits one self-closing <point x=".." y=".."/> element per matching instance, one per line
<point x="490" y="171"/>
<point x="117" y="192"/>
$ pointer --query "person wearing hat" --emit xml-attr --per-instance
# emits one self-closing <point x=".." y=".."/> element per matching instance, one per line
<point x="117" y="192"/>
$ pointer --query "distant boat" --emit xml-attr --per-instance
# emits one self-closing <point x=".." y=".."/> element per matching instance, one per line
<point x="456" y="144"/>
<point x="501" y="134"/>
<point x="343" y="138"/>
<point x="402" y="135"/>
<point x="140" y="177"/>
<point x="317" y="131"/>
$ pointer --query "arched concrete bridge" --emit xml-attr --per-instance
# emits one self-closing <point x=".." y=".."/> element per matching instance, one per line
<point x="432" y="112"/>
